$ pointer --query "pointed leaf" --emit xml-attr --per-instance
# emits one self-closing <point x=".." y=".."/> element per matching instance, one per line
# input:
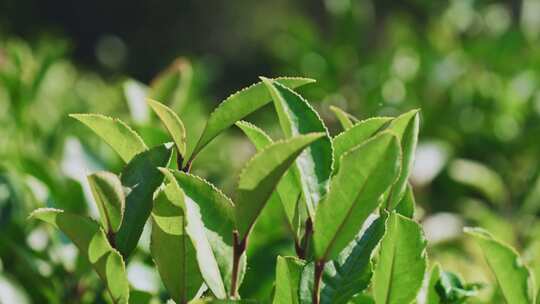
<point x="406" y="127"/>
<point x="126" y="142"/>
<point x="367" y="172"/>
<point x="288" y="274"/>
<point x="314" y="166"/>
<point x="172" y="85"/>
<point x="141" y="178"/>
<point x="408" y="204"/>
<point x="400" y="269"/>
<point x="512" y="276"/>
<point x="287" y="188"/>
<point x="238" y="106"/>
<point x="210" y="224"/>
<point x="92" y="244"/>
<point x="431" y="295"/>
<point x="345" y="119"/>
<point x="172" y="250"/>
<point x="110" y="199"/>
<point x="172" y="122"/>
<point x="357" y="135"/>
<point x="261" y="175"/>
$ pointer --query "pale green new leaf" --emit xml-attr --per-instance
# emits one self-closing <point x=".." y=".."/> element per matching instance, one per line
<point x="109" y="197"/>
<point x="346" y="120"/>
<point x="126" y="142"/>
<point x="288" y="274"/>
<point x="172" y="123"/>
<point x="261" y="175"/>
<point x="93" y="245"/>
<point x="238" y="106"/>
<point x="314" y="166"/>
<point x="406" y="127"/>
<point x="140" y="178"/>
<point x="431" y="295"/>
<point x="367" y="172"/>
<point x="209" y="224"/>
<point x="288" y="189"/>
<point x="512" y="276"/>
<point x="402" y="262"/>
<point x="407" y="205"/>
<point x="172" y="249"/>
<point x="356" y="135"/>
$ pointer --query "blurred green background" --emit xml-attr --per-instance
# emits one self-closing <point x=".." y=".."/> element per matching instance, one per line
<point x="473" y="67"/>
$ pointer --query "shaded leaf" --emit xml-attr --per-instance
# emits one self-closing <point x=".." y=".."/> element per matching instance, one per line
<point x="172" y="250"/>
<point x="402" y="262"/>
<point x="261" y="175"/>
<point x="126" y="142"/>
<point x="356" y="135"/>
<point x="172" y="123"/>
<point x="367" y="172"/>
<point x="313" y="167"/>
<point x="407" y="205"/>
<point x="92" y="244"/>
<point x="288" y="274"/>
<point x="238" y="106"/>
<point x="109" y="197"/>
<point x="209" y="224"/>
<point x="141" y="178"/>
<point x="512" y="276"/>
<point x="345" y="119"/>
<point x="172" y="85"/>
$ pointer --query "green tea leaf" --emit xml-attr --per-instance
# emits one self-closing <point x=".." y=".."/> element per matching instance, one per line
<point x="288" y="274"/>
<point x="367" y="172"/>
<point x="261" y="175"/>
<point x="512" y="276"/>
<point x="406" y="127"/>
<point x="172" y="123"/>
<point x="110" y="199"/>
<point x="92" y="244"/>
<point x="402" y="262"/>
<point x="313" y="167"/>
<point x="209" y="224"/>
<point x="126" y="142"/>
<point x="141" y="178"/>
<point x="431" y="295"/>
<point x="346" y="120"/>
<point x="288" y="189"/>
<point x="356" y="135"/>
<point x="407" y="205"/>
<point x="238" y="106"/>
<point x="172" y="85"/>
<point x="172" y="249"/>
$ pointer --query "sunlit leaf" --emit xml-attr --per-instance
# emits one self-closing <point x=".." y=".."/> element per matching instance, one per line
<point x="109" y="197"/>
<point x="238" y="106"/>
<point x="512" y="276"/>
<point x="114" y="132"/>
<point x="93" y="245"/>
<point x="172" y="122"/>
<point x="367" y="172"/>
<point x="402" y="262"/>
<point x="407" y="205"/>
<point x="261" y="175"/>
<point x="345" y="119"/>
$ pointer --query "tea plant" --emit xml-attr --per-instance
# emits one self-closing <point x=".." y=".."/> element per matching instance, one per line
<point x="346" y="201"/>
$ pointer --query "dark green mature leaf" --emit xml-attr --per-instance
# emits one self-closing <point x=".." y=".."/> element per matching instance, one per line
<point x="367" y="172"/>
<point x="350" y="273"/>
<point x="406" y="127"/>
<point x="407" y="205"/>
<point x="238" y="106"/>
<point x="141" y="177"/>
<point x="288" y="274"/>
<point x="261" y="175"/>
<point x="209" y="224"/>
<point x="313" y="168"/>
<point x="110" y="199"/>
<point x="356" y="135"/>
<point x="452" y="290"/>
<point x="288" y="189"/>
<point x="512" y="276"/>
<point x="172" y="123"/>
<point x="402" y="262"/>
<point x="126" y="142"/>
<point x="92" y="244"/>
<point x="346" y="120"/>
<point x="172" y="249"/>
